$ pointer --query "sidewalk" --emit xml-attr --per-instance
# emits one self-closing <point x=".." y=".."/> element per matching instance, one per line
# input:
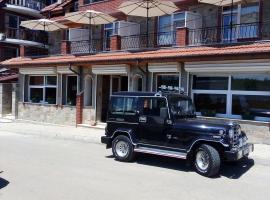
<point x="51" y="130"/>
<point x="256" y="134"/>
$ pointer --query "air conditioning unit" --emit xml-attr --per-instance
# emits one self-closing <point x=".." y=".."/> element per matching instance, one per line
<point x="2" y="36"/>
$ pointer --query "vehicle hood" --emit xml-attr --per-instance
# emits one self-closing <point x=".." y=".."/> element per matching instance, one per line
<point x="202" y="125"/>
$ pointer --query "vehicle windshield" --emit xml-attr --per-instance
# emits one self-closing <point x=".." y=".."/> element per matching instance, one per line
<point x="181" y="107"/>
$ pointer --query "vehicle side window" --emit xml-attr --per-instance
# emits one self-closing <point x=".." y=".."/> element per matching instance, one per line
<point x="152" y="106"/>
<point x="123" y="105"/>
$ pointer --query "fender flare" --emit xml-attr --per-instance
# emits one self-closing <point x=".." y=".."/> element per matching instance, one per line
<point x="128" y="132"/>
<point x="206" y="140"/>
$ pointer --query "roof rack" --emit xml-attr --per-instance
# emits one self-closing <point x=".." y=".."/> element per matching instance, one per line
<point x="163" y="89"/>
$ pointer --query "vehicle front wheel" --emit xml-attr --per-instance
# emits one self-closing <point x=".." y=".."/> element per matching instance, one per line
<point x="207" y="160"/>
<point x="123" y="149"/>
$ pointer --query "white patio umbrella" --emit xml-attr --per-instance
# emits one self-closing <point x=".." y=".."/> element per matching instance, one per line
<point x="220" y="2"/>
<point x="148" y="8"/>
<point x="90" y="17"/>
<point x="43" y="25"/>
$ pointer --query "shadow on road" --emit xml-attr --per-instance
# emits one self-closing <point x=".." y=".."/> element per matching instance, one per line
<point x="3" y="183"/>
<point x="233" y="170"/>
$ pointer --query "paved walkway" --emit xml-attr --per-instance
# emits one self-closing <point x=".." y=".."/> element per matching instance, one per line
<point x="51" y="130"/>
<point x="256" y="134"/>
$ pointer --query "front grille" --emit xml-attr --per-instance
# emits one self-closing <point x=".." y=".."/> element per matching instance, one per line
<point x="235" y="140"/>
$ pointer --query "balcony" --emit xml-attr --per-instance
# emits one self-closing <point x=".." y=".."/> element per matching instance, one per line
<point x="153" y="40"/>
<point x="238" y="33"/>
<point x="181" y="37"/>
<point x="26" y="7"/>
<point x="21" y="36"/>
<point x="32" y="4"/>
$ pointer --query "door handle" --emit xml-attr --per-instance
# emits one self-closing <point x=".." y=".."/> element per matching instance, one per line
<point x="143" y="119"/>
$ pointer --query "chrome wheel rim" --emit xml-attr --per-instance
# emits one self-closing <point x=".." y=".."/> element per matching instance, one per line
<point x="202" y="160"/>
<point x="121" y="149"/>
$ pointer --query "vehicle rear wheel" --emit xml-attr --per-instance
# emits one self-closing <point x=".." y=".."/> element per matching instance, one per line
<point x="207" y="160"/>
<point x="123" y="149"/>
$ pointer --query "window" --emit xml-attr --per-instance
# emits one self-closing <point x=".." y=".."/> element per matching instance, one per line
<point x="241" y="96"/>
<point x="42" y="89"/>
<point x="245" y="21"/>
<point x="152" y="106"/>
<point x="210" y="104"/>
<point x="71" y="88"/>
<point x="251" y="82"/>
<point x="109" y="30"/>
<point x="91" y="1"/>
<point x="167" y="82"/>
<point x="210" y="83"/>
<point x="167" y="25"/>
<point x="123" y="105"/>
<point x="138" y="83"/>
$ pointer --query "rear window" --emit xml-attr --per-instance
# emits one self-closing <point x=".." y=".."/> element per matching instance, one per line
<point x="123" y="105"/>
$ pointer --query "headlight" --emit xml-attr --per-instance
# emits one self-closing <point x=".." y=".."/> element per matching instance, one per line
<point x="231" y="133"/>
<point x="239" y="131"/>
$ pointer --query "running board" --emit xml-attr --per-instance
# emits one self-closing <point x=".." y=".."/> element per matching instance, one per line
<point x="161" y="152"/>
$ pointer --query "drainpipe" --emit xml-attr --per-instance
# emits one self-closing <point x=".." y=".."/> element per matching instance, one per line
<point x="79" y="74"/>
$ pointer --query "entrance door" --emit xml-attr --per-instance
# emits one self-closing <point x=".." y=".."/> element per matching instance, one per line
<point x="111" y="84"/>
<point x="105" y="97"/>
<point x="119" y="83"/>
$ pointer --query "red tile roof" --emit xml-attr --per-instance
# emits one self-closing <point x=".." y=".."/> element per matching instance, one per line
<point x="8" y="75"/>
<point x="56" y="6"/>
<point x="183" y="54"/>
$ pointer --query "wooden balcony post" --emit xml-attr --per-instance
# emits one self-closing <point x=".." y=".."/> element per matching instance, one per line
<point x="182" y="36"/>
<point x="115" y="42"/>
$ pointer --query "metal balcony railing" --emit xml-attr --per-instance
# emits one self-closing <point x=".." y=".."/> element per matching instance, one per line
<point x="154" y="40"/>
<point x="33" y="4"/>
<point x="84" y="46"/>
<point x="229" y="34"/>
<point x="26" y="34"/>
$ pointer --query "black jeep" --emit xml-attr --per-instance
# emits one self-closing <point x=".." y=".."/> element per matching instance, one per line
<point x="165" y="124"/>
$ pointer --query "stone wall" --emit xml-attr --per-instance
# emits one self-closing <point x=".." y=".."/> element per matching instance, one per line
<point x="88" y="115"/>
<point x="48" y="113"/>
<point x="5" y="99"/>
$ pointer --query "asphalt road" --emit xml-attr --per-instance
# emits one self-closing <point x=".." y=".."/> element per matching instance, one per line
<point x="40" y="168"/>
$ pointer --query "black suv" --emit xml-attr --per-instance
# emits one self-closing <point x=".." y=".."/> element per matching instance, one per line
<point x="165" y="124"/>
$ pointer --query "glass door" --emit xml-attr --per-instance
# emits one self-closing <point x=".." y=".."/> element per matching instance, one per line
<point x="229" y="32"/>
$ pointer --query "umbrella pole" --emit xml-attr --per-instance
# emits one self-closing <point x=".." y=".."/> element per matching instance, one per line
<point x="147" y="24"/>
<point x="90" y="34"/>
<point x="231" y="35"/>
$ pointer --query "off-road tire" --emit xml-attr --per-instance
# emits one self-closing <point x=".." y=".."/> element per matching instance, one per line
<point x="214" y="161"/>
<point x="130" y="149"/>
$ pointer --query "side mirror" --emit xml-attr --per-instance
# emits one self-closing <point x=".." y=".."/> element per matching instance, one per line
<point x="164" y="112"/>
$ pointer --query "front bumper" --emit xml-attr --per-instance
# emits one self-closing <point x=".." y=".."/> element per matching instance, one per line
<point x="239" y="153"/>
<point x="106" y="140"/>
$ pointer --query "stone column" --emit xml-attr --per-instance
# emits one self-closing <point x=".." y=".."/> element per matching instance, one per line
<point x="15" y="99"/>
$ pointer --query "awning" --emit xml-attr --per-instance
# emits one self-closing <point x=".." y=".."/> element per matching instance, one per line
<point x="164" y="67"/>
<point x="220" y="3"/>
<point x="38" y="70"/>
<point x="110" y="69"/>
<point x="231" y="66"/>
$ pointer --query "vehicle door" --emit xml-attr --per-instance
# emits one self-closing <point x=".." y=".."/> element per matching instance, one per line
<point x="152" y="116"/>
